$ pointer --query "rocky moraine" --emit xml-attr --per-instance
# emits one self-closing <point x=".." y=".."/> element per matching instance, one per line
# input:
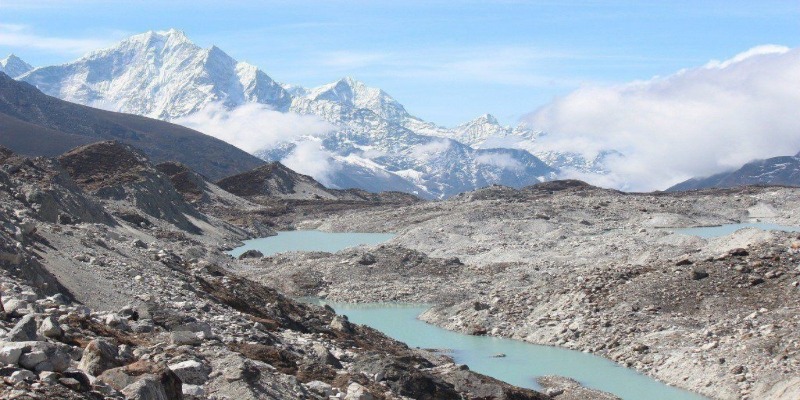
<point x="571" y="265"/>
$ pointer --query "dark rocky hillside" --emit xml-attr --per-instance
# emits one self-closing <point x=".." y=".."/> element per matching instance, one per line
<point x="275" y="180"/>
<point x="32" y="123"/>
<point x="782" y="171"/>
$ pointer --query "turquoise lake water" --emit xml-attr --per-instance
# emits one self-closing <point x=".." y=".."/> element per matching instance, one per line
<point x="523" y="363"/>
<point x="708" y="232"/>
<point x="310" y="241"/>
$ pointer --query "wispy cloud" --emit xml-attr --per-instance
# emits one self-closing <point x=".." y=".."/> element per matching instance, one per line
<point x="696" y="122"/>
<point x="253" y="127"/>
<point x="508" y="65"/>
<point x="500" y="160"/>
<point x="23" y="37"/>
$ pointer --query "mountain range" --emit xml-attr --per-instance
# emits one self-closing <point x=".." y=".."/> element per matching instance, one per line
<point x="784" y="171"/>
<point x="375" y="144"/>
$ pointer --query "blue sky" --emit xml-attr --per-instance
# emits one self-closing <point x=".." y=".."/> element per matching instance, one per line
<point x="446" y="61"/>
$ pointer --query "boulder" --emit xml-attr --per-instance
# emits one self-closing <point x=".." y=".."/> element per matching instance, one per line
<point x="31" y="359"/>
<point x="194" y="391"/>
<point x="340" y="323"/>
<point x="48" y="377"/>
<point x="10" y="353"/>
<point x="367" y="259"/>
<point x="84" y="383"/>
<point x="251" y="254"/>
<point x="357" y="392"/>
<point x="50" y="328"/>
<point x="13" y="306"/>
<point x="184" y="338"/>
<point x="24" y="330"/>
<point x="191" y="372"/>
<point x="159" y="378"/>
<point x="22" y="376"/>
<point x="320" y="387"/>
<point x="98" y="356"/>
<point x="147" y="388"/>
<point x="323" y="356"/>
<point x="698" y="274"/>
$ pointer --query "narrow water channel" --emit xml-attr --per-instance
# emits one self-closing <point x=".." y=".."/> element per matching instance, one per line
<point x="522" y="362"/>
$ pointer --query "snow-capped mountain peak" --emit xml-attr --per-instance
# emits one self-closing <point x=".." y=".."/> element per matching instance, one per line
<point x="486" y="119"/>
<point x="159" y="74"/>
<point x="13" y="66"/>
<point x="356" y="94"/>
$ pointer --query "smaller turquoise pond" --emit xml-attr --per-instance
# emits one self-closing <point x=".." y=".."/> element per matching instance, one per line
<point x="708" y="232"/>
<point x="310" y="241"/>
<point x="523" y="363"/>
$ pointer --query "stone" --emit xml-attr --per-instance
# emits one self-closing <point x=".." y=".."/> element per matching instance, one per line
<point x="683" y="262"/>
<point x="340" y="323"/>
<point x="193" y="390"/>
<point x="738" y="252"/>
<point x="181" y="338"/>
<point x="756" y="280"/>
<point x="24" y="330"/>
<point x="58" y="359"/>
<point x="640" y="347"/>
<point x="698" y="274"/>
<point x="15" y="306"/>
<point x="84" y="383"/>
<point x="324" y="356"/>
<point x="710" y="345"/>
<point x="48" y="377"/>
<point x="552" y="392"/>
<point x="58" y="298"/>
<point x="31" y="359"/>
<point x="70" y="383"/>
<point x="9" y="355"/>
<point x="357" y="392"/>
<point x="22" y="376"/>
<point x="98" y="356"/>
<point x="50" y="328"/>
<point x="147" y="388"/>
<point x="122" y="378"/>
<point x="251" y="254"/>
<point x="191" y="372"/>
<point x="320" y="387"/>
<point x="367" y="259"/>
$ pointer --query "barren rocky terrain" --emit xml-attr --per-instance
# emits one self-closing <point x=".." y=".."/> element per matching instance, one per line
<point x="571" y="265"/>
<point x="114" y="286"/>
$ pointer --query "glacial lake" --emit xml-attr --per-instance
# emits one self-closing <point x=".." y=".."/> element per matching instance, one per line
<point x="709" y="232"/>
<point x="523" y="362"/>
<point x="310" y="241"/>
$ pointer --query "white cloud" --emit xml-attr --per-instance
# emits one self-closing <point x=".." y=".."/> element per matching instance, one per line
<point x="252" y="127"/>
<point x="427" y="151"/>
<point x="696" y="122"/>
<point x="500" y="160"/>
<point x="22" y="37"/>
<point x="309" y="158"/>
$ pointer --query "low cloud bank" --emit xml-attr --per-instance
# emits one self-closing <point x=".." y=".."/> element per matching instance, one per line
<point x="696" y="122"/>
<point x="309" y="158"/>
<point x="253" y="127"/>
